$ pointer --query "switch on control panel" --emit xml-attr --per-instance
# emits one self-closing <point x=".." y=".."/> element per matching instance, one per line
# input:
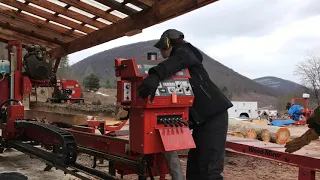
<point x="127" y="91"/>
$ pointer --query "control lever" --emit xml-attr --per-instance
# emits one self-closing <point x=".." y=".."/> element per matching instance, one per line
<point x="165" y="124"/>
<point x="170" y="122"/>
<point x="180" y="123"/>
<point x="176" y="123"/>
<point x="186" y="124"/>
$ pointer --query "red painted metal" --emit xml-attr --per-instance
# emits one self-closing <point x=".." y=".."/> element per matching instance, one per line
<point x="72" y="85"/>
<point x="307" y="161"/>
<point x="118" y="146"/>
<point x="144" y="128"/>
<point x="96" y="123"/>
<point x="14" y="112"/>
<point x="5" y="91"/>
<point x="176" y="138"/>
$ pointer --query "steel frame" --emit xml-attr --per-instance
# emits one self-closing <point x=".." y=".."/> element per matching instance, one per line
<point x="307" y="163"/>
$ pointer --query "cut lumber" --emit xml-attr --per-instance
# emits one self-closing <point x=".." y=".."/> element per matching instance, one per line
<point x="70" y="119"/>
<point x="279" y="135"/>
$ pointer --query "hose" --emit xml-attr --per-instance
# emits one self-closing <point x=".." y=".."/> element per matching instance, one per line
<point x="3" y="75"/>
<point x="9" y="100"/>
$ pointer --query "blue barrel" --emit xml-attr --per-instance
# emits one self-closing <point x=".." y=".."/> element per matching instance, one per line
<point x="4" y="67"/>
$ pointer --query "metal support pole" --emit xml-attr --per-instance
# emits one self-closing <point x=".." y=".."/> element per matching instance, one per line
<point x="12" y="77"/>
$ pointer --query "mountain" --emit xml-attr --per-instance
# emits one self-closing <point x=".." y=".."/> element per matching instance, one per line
<point x="281" y="85"/>
<point x="232" y="82"/>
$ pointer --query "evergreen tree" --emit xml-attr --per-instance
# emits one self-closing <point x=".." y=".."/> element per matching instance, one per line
<point x="91" y="82"/>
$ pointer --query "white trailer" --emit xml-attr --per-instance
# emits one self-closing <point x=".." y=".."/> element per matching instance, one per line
<point x="244" y="109"/>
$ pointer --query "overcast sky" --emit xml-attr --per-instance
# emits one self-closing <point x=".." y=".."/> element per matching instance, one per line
<point x="253" y="37"/>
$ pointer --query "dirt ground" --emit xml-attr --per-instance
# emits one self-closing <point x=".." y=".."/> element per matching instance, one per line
<point x="237" y="167"/>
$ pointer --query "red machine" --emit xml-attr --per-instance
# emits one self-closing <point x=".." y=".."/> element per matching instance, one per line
<point x="16" y="130"/>
<point x="156" y="126"/>
<point x="66" y="90"/>
<point x="306" y="111"/>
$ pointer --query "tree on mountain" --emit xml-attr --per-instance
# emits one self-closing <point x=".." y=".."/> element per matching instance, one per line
<point x="309" y="73"/>
<point x="64" y="70"/>
<point x="91" y="82"/>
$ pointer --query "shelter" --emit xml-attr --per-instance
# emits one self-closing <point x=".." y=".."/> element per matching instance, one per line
<point x="68" y="26"/>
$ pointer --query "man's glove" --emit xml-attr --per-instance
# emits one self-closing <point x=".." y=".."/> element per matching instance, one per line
<point x="149" y="86"/>
<point x="301" y="141"/>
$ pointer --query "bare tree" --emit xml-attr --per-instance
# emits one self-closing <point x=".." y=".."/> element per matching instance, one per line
<point x="309" y="73"/>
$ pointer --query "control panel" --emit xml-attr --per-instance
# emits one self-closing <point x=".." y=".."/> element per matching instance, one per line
<point x="143" y="68"/>
<point x="127" y="91"/>
<point x="171" y="120"/>
<point x="181" y="87"/>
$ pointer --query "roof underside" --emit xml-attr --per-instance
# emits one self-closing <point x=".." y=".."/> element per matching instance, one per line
<point x="68" y="26"/>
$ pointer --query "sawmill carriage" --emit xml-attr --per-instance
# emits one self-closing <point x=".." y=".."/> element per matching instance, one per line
<point x="61" y="28"/>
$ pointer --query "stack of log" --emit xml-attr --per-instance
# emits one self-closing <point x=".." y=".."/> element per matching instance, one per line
<point x="263" y="132"/>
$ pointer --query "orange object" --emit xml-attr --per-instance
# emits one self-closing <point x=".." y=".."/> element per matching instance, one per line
<point x="174" y="97"/>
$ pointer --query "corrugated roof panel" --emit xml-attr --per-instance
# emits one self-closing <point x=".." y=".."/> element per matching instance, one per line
<point x="81" y="12"/>
<point x="7" y="6"/>
<point x="30" y="14"/>
<point x="92" y="27"/>
<point x="71" y="19"/>
<point x="119" y="14"/>
<point x="67" y="27"/>
<point x="96" y="4"/>
<point x="59" y="3"/>
<point x="41" y="8"/>
<point x="80" y="32"/>
<point x="133" y="7"/>
<point x="104" y="21"/>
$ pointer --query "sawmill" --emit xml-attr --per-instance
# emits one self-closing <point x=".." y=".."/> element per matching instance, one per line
<point x="50" y="30"/>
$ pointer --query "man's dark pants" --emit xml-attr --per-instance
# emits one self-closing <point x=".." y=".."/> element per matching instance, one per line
<point x="206" y="162"/>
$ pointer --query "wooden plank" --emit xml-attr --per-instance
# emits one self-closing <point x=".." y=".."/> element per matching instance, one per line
<point x="162" y="11"/>
<point x="146" y="2"/>
<point x="90" y="9"/>
<point x="30" y="29"/>
<point x="69" y="13"/>
<point x="47" y="15"/>
<point x="56" y="117"/>
<point x="40" y="23"/>
<point x="118" y="6"/>
<point x="25" y="39"/>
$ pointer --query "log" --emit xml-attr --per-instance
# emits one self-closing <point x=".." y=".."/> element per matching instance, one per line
<point x="279" y="135"/>
<point x="264" y="135"/>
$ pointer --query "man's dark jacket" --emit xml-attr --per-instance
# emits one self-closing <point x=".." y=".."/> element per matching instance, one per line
<point x="209" y="100"/>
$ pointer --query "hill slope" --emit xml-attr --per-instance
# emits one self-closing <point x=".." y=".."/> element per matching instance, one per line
<point x="281" y="85"/>
<point x="103" y="62"/>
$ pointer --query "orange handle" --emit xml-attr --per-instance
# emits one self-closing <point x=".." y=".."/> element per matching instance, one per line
<point x="174" y="97"/>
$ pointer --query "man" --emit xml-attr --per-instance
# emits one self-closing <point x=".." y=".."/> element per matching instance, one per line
<point x="310" y="135"/>
<point x="208" y="115"/>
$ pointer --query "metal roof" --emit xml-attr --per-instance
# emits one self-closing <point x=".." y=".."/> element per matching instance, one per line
<point x="68" y="26"/>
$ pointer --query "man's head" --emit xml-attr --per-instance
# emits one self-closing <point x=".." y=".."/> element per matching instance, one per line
<point x="169" y="39"/>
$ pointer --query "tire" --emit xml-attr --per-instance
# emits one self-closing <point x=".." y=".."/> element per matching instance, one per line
<point x="12" y="176"/>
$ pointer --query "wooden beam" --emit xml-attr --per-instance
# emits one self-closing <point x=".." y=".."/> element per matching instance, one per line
<point x="25" y="39"/>
<point x="162" y="11"/>
<point x="40" y="23"/>
<point x="31" y="33"/>
<point x="118" y="6"/>
<point x="69" y="13"/>
<point x="30" y="29"/>
<point x="144" y="2"/>
<point x="47" y="15"/>
<point x="90" y="9"/>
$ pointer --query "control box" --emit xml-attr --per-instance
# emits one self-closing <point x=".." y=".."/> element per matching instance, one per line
<point x="159" y="125"/>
